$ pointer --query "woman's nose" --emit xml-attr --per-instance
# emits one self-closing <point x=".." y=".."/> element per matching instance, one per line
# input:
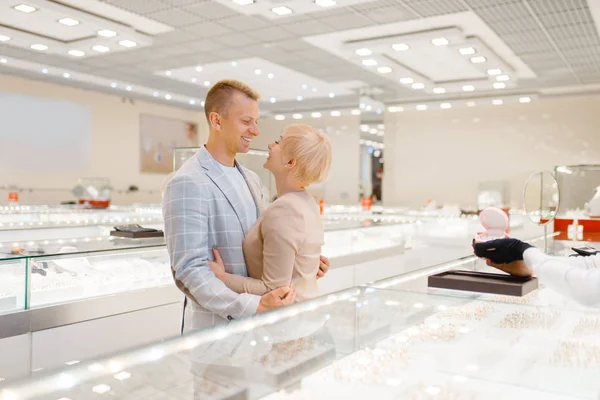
<point x="270" y="146"/>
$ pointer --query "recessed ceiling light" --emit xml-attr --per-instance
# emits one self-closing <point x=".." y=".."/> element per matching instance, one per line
<point x="243" y="2"/>
<point x="127" y="43"/>
<point x="335" y="113"/>
<point x="331" y="95"/>
<point x="363" y="52"/>
<point x="478" y="59"/>
<point x="395" y="109"/>
<point x="468" y="88"/>
<point x="421" y="107"/>
<point x="299" y="98"/>
<point x="202" y="103"/>
<point x="155" y="94"/>
<point x="68" y="21"/>
<point x="439" y="90"/>
<point x="198" y="69"/>
<point x="406" y="81"/>
<point x="418" y="85"/>
<point x="207" y="83"/>
<point x="39" y="47"/>
<point x="101" y="389"/>
<point x="467" y="51"/>
<point x="272" y="99"/>
<point x="316" y="115"/>
<point x="440" y="41"/>
<point x="168" y="96"/>
<point x="25" y="8"/>
<point x="282" y="10"/>
<point x="369" y="62"/>
<point x="121" y="376"/>
<point x="113" y="85"/>
<point x="234" y="63"/>
<point x="305" y="86"/>
<point x="271" y="76"/>
<point x="168" y="73"/>
<point x="364" y="127"/>
<point x="445" y="106"/>
<point x="471" y="104"/>
<point x="325" y="3"/>
<point x="499" y="85"/>
<point x="314" y="90"/>
<point x="400" y="47"/>
<point x="192" y="101"/>
<point x="503" y="78"/>
<point x="525" y="100"/>
<point x="297" y="116"/>
<point x="130" y="88"/>
<point x="355" y="112"/>
<point x="194" y="80"/>
<point x="257" y="71"/>
<point x="373" y="131"/>
<point x="106" y="33"/>
<point x="494" y="71"/>
<point x="66" y="75"/>
<point x="280" y="117"/>
<point x="76" y="53"/>
<point x="100" y="48"/>
<point x="497" y="102"/>
<point x="381" y="126"/>
<point x="44" y="70"/>
<point x="384" y="70"/>
<point x="4" y="38"/>
<point x="3" y="60"/>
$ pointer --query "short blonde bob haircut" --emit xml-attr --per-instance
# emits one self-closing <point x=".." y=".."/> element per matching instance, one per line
<point x="311" y="149"/>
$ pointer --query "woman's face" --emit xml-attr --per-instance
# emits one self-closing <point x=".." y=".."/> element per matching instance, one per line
<point x="276" y="162"/>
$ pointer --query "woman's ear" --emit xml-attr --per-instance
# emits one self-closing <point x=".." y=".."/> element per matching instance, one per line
<point x="291" y="163"/>
<point x="215" y="120"/>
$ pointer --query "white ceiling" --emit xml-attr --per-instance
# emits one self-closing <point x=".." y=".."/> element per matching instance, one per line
<point x="544" y="45"/>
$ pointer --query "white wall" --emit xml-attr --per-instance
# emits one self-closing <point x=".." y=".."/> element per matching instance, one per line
<point x="115" y="143"/>
<point x="445" y="154"/>
<point x="341" y="187"/>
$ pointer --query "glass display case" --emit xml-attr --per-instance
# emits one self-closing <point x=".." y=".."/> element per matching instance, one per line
<point x="579" y="187"/>
<point x="359" y="343"/>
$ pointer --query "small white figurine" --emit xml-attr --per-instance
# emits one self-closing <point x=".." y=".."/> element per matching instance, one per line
<point x="594" y="204"/>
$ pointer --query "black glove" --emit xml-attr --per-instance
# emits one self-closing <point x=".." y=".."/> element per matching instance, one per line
<point x="501" y="251"/>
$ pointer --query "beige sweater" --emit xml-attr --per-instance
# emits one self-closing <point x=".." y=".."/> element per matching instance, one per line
<point x="282" y="247"/>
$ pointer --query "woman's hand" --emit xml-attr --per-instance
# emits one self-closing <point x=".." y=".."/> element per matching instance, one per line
<point x="217" y="266"/>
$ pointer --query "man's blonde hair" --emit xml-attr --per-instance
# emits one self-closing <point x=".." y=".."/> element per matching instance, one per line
<point x="219" y="96"/>
<point x="311" y="149"/>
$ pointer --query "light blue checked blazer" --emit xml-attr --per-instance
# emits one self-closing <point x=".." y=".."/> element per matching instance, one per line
<point x="201" y="209"/>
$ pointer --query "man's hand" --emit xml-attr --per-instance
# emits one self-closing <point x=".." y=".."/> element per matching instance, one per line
<point x="516" y="268"/>
<point x="279" y="297"/>
<point x="501" y="251"/>
<point x="323" y="267"/>
<point x="217" y="266"/>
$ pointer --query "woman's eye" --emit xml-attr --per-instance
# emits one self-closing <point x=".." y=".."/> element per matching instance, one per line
<point x="277" y="142"/>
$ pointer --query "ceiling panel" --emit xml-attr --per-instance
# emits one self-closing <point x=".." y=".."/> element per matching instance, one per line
<point x="176" y="18"/>
<point x="141" y="7"/>
<point x="244" y="23"/>
<point x="211" y="10"/>
<point x="427" y="8"/>
<point x="207" y="29"/>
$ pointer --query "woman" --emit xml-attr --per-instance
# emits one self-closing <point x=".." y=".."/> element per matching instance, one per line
<point x="284" y="245"/>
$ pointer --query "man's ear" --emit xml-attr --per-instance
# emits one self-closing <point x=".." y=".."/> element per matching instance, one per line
<point x="214" y="120"/>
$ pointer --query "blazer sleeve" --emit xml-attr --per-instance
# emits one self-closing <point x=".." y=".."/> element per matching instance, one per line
<point x="186" y="216"/>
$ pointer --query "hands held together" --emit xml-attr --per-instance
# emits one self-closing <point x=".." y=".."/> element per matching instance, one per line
<point x="505" y="255"/>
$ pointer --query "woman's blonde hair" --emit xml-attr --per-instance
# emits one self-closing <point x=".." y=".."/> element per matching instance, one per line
<point x="311" y="149"/>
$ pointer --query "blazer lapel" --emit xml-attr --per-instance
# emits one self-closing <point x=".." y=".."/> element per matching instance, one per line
<point x="214" y="172"/>
<point x="254" y="187"/>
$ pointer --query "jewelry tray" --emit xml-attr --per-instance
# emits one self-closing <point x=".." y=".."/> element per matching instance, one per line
<point x="137" y="235"/>
<point x="482" y="282"/>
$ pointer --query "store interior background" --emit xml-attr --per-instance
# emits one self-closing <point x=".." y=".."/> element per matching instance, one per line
<point x="446" y="155"/>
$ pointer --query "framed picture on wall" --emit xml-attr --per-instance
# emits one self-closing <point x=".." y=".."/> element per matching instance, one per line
<point x="159" y="136"/>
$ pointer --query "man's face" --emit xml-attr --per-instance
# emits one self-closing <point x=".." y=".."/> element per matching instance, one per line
<point x="239" y="125"/>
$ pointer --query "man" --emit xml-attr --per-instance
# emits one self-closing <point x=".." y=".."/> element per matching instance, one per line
<point x="212" y="201"/>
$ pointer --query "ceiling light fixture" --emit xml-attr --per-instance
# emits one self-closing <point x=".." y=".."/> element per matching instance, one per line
<point x="282" y="10"/>
<point x="194" y="80"/>
<point x="3" y="60"/>
<point x="494" y="71"/>
<point x="468" y="88"/>
<point x="384" y="70"/>
<point x="167" y="96"/>
<point x="257" y="71"/>
<point x="440" y="41"/>
<point x="76" y="53"/>
<point x="406" y="81"/>
<point x="280" y="117"/>
<point x="155" y="94"/>
<point x="106" y="33"/>
<point x="198" y="69"/>
<point x="299" y="98"/>
<point x="39" y="47"/>
<point x="369" y="62"/>
<point x="192" y="101"/>
<point x="373" y="131"/>
<point x="202" y="103"/>
<point x="44" y="70"/>
<point x="130" y="88"/>
<point x="168" y="73"/>
<point x="335" y="113"/>
<point x="524" y="100"/>
<point x="395" y="109"/>
<point x="363" y="52"/>
<point x="471" y="104"/>
<point x="113" y="85"/>
<point x="355" y="112"/>
<point x="400" y="47"/>
<point x="421" y="107"/>
<point x="234" y="63"/>
<point x="243" y="2"/>
<point x="271" y="76"/>
<point x="445" y="106"/>
<point x="325" y="3"/>
<point x="439" y="90"/>
<point x="207" y="83"/>
<point x="272" y="99"/>
<point x="4" y="38"/>
<point x="316" y="115"/>
<point x="499" y="85"/>
<point x="68" y="21"/>
<point x="503" y="78"/>
<point x="25" y="8"/>
<point x="66" y="75"/>
<point x="497" y="102"/>
<point x="331" y="95"/>
<point x="467" y="51"/>
<point x="297" y="116"/>
<point x="128" y="43"/>
<point x="478" y="59"/>
<point x="100" y="48"/>
<point x="418" y="86"/>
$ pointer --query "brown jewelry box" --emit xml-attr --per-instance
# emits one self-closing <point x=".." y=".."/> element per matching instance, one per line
<point x="482" y="282"/>
<point x="137" y="235"/>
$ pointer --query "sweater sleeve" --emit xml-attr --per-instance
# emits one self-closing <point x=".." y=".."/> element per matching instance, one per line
<point x="576" y="277"/>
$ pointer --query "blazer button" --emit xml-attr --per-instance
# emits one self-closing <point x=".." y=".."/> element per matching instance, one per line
<point x="230" y="318"/>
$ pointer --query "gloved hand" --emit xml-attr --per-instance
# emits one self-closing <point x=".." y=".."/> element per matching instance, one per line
<point x="501" y="251"/>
